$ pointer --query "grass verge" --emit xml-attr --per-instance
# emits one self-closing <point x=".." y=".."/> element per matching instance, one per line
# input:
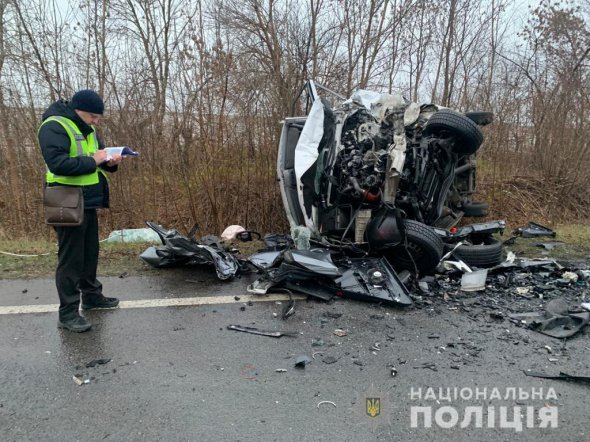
<point x="117" y="259"/>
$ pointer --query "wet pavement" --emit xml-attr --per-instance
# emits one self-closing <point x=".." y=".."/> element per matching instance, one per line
<point x="177" y="373"/>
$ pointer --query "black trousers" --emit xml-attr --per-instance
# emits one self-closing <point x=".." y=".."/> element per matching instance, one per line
<point x="77" y="263"/>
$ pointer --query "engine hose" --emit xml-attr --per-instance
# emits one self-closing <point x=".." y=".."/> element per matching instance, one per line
<point x="357" y="186"/>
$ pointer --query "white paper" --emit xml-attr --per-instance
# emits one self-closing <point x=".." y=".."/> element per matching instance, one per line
<point x="112" y="151"/>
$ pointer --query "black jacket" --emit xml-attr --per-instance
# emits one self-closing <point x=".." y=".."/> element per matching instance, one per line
<point x="55" y="147"/>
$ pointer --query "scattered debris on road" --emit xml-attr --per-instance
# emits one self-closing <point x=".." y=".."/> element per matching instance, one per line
<point x="79" y="380"/>
<point x="96" y="362"/>
<point x="302" y="361"/>
<point x="326" y="402"/>
<point x="255" y="331"/>
<point x="561" y="375"/>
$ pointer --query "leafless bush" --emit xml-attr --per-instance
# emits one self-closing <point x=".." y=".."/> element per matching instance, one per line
<point x="199" y="88"/>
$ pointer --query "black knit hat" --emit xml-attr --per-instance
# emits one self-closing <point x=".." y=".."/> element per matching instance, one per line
<point x="89" y="101"/>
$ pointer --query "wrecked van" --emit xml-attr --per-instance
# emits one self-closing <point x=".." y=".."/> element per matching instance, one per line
<point x="385" y="175"/>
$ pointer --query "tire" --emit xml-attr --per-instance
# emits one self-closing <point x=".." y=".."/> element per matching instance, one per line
<point x="480" y="118"/>
<point x="488" y="252"/>
<point x="467" y="134"/>
<point x="475" y="209"/>
<point x="420" y="250"/>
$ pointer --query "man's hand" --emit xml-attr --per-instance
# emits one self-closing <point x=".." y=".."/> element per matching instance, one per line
<point x="115" y="160"/>
<point x="100" y="156"/>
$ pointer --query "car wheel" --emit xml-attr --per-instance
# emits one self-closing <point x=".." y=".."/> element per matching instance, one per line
<point x="475" y="209"/>
<point x="420" y="250"/>
<point x="448" y="122"/>
<point x="480" y="118"/>
<point x="484" y="253"/>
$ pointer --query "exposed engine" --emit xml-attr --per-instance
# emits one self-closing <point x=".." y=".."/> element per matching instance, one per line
<point x="361" y="166"/>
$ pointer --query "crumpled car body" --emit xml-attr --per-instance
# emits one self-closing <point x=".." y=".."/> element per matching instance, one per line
<point x="376" y="170"/>
<point x="177" y="249"/>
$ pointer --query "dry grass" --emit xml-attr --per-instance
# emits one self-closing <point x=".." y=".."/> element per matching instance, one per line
<point x="118" y="259"/>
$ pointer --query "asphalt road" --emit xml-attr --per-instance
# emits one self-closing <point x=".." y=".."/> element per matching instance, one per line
<point x="177" y="373"/>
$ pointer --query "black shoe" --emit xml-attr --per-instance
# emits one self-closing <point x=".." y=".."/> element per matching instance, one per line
<point x="76" y="324"/>
<point x="101" y="302"/>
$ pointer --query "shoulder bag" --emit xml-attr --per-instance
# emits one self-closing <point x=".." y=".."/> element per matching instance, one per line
<point x="64" y="205"/>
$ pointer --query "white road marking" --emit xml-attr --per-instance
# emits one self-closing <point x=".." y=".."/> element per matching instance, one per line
<point x="146" y="303"/>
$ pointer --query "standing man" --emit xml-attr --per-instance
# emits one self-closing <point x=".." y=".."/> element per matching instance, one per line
<point x="68" y="129"/>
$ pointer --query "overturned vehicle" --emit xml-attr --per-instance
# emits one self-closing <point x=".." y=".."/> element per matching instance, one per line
<point x="378" y="176"/>
<point x="387" y="175"/>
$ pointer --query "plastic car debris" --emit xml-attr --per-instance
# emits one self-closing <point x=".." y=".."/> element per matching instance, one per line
<point x="474" y="281"/>
<point x="456" y="265"/>
<point x="96" y="362"/>
<point x="563" y="376"/>
<point x="211" y="240"/>
<point x="264" y="260"/>
<point x="534" y="230"/>
<point x="78" y="380"/>
<point x="314" y="272"/>
<point x="255" y="331"/>
<point x="527" y="264"/>
<point x="259" y="287"/>
<point x="561" y="326"/>
<point x="358" y="282"/>
<point x="275" y="241"/>
<point x="326" y="402"/>
<point x="428" y="365"/>
<point x="556" y="322"/>
<point x="550" y="245"/>
<point x="246" y="235"/>
<point x="302" y="361"/>
<point x="177" y="249"/>
<point x="289" y="308"/>
<point x="464" y="232"/>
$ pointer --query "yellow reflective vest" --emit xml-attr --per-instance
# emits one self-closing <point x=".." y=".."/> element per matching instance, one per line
<point x="79" y="146"/>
